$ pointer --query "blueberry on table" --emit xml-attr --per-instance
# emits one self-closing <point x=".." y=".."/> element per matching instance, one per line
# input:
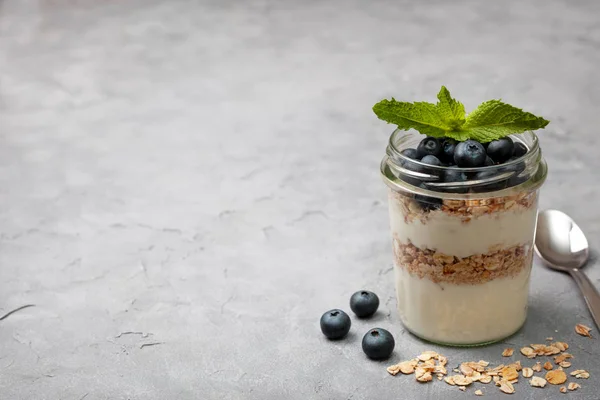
<point x="335" y="324"/>
<point x="469" y="154"/>
<point x="431" y="160"/>
<point x="501" y="150"/>
<point x="448" y="147"/>
<point x="429" y="146"/>
<point x="378" y="344"/>
<point x="364" y="303"/>
<point x="410" y="153"/>
<point x="520" y="150"/>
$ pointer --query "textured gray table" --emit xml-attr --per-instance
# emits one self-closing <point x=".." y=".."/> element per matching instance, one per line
<point x="207" y="173"/>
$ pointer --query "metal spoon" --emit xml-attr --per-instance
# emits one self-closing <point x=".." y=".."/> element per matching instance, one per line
<point x="561" y="244"/>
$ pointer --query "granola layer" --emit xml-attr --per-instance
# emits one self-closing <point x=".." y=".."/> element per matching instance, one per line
<point x="464" y="209"/>
<point x="475" y="269"/>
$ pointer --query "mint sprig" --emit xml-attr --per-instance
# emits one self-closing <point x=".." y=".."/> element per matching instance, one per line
<point x="491" y="120"/>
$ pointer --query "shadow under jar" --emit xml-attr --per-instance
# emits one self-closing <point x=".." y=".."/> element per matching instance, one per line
<point x="462" y="242"/>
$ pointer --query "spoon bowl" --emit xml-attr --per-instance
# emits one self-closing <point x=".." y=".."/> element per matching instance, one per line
<point x="562" y="246"/>
<point x="559" y="242"/>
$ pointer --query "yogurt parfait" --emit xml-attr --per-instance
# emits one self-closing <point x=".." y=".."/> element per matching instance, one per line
<point x="463" y="194"/>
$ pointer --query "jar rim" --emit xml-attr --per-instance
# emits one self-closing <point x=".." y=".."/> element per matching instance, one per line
<point x="395" y="160"/>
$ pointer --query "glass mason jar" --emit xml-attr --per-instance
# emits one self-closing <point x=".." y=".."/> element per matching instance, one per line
<point x="462" y="242"/>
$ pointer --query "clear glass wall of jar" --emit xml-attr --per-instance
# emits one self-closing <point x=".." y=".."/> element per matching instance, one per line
<point x="463" y="247"/>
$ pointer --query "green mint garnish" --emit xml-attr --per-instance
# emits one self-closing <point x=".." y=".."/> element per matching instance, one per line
<point x="491" y="120"/>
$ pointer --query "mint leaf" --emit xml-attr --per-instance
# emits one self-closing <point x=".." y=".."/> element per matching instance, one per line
<point x="494" y="119"/>
<point x="490" y="121"/>
<point x="450" y="110"/>
<point x="421" y="116"/>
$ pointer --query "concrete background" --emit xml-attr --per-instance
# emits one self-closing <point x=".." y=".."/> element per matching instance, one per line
<point x="206" y="173"/>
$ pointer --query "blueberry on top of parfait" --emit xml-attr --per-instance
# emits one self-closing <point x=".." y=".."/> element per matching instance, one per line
<point x="429" y="146"/>
<point x="501" y="150"/>
<point x="469" y="154"/>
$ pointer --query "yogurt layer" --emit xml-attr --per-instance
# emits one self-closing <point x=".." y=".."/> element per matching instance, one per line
<point x="450" y="234"/>
<point x="462" y="314"/>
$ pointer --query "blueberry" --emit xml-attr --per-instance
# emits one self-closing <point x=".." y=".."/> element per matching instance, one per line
<point x="501" y="150"/>
<point x="448" y="147"/>
<point x="378" y="344"/>
<point x="490" y="187"/>
<point x="364" y="303"/>
<point x="469" y="154"/>
<point x="452" y="175"/>
<point x="431" y="160"/>
<point x="517" y="167"/>
<point x="429" y="146"/>
<point x="428" y="203"/>
<point x="488" y="162"/>
<point x="516" y="180"/>
<point x="410" y="153"/>
<point x="335" y="324"/>
<point x="520" y="150"/>
<point x="411" y="166"/>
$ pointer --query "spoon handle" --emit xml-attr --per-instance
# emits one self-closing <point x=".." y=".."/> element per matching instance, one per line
<point x="590" y="293"/>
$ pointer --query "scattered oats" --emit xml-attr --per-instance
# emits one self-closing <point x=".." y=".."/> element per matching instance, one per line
<point x="442" y="360"/>
<point x="550" y="338"/>
<point x="562" y="346"/>
<point x="406" y="367"/>
<point x="462" y="380"/>
<point x="537" y="367"/>
<point x="440" y="369"/>
<point x="509" y="373"/>
<point x="580" y="374"/>
<point x="423" y="375"/>
<point x="563" y="389"/>
<point x="449" y="380"/>
<point x="466" y="369"/>
<point x="527" y="372"/>
<point x="476" y="376"/>
<point x="483" y="363"/>
<point x="528" y="352"/>
<point x="583" y="330"/>
<point x="548" y="366"/>
<point x="513" y="381"/>
<point x="440" y="377"/>
<point x="516" y="365"/>
<point x="573" y="386"/>
<point x="463" y="388"/>
<point x="556" y="377"/>
<point x="475" y="366"/>
<point x="551" y="350"/>
<point x="497" y="380"/>
<point x="565" y="364"/>
<point x="506" y="387"/>
<point x="478" y="392"/>
<point x="495" y="370"/>
<point x="560" y="358"/>
<point x="485" y="378"/>
<point x="456" y="370"/>
<point x="427" y="355"/>
<point x="508" y="352"/>
<point x="537" y="381"/>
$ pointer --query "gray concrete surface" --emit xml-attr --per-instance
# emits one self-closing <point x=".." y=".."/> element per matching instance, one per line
<point x="206" y="173"/>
